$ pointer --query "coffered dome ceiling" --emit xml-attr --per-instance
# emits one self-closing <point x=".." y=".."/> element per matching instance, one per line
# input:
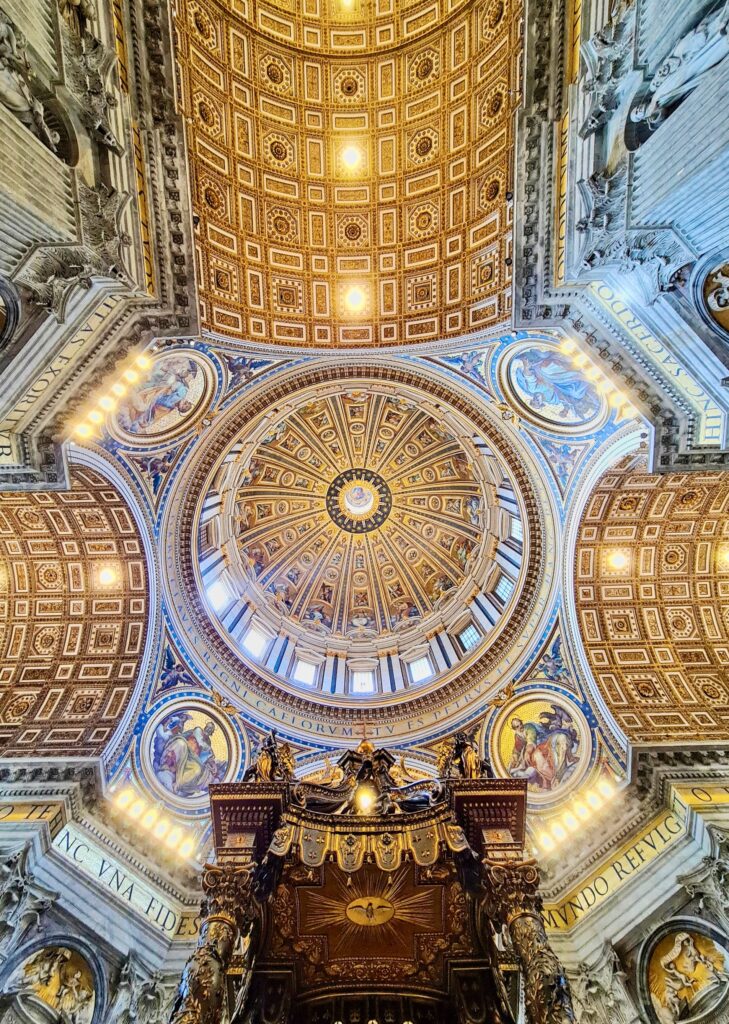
<point x="355" y="537"/>
<point x="358" y="516"/>
<point x="350" y="166"/>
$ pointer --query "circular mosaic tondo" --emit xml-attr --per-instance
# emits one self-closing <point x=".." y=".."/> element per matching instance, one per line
<point x="359" y="500"/>
<point x="543" y="739"/>
<point x="185" y="748"/>
<point x="169" y="397"/>
<point x="550" y="389"/>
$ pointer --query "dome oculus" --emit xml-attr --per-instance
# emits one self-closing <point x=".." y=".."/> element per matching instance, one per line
<point x="358" y="501"/>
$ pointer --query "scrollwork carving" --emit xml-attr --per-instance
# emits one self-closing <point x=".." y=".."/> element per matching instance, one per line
<point x="22" y="900"/>
<point x="600" y="994"/>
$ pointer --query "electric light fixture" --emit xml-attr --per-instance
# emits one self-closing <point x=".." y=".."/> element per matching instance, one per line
<point x="148" y="817"/>
<point x="365" y="798"/>
<point x="107" y="403"/>
<point x="618" y="560"/>
<point x="351" y="156"/>
<point x="576" y="815"/>
<point x="355" y="299"/>
<point x="107" y="576"/>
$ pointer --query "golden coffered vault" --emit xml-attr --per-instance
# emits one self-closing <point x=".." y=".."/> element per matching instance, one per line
<point x="350" y="173"/>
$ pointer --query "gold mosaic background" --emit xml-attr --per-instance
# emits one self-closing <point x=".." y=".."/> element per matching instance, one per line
<point x="273" y="93"/>
<point x="656" y="632"/>
<point x="69" y="647"/>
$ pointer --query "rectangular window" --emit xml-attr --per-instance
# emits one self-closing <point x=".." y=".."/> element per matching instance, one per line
<point x="218" y="596"/>
<point x="469" y="637"/>
<point x="504" y="588"/>
<point x="255" y="642"/>
<point x="363" y="681"/>
<point x="304" y="673"/>
<point x="420" y="669"/>
<point x="517" y="529"/>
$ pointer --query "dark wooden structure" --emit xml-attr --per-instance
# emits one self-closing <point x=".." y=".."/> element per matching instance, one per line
<point x="371" y="899"/>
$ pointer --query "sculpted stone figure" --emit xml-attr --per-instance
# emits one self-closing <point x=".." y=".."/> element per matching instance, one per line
<point x="680" y="73"/>
<point x="15" y="90"/>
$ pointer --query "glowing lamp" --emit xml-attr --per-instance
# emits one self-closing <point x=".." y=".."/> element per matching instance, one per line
<point x="351" y="157"/>
<point x="131" y="375"/>
<point x="571" y="821"/>
<point x="355" y="299"/>
<point x="143" y="362"/>
<point x="581" y="811"/>
<point x="365" y="798"/>
<point x="137" y="808"/>
<point x="95" y="416"/>
<point x="107" y="576"/>
<point x="174" y="837"/>
<point x="107" y="403"/>
<point x="617" y="560"/>
<point x="148" y="818"/>
<point x="594" y="801"/>
<point x="606" y="788"/>
<point x="161" y="828"/>
<point x="125" y="798"/>
<point x="568" y="346"/>
<point x="186" y="847"/>
<point x="546" y="842"/>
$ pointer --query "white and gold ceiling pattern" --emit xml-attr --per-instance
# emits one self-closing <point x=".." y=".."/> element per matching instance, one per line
<point x="359" y="523"/>
<point x="350" y="167"/>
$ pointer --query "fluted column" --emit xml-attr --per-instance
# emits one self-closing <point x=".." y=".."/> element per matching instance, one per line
<point x="227" y="909"/>
<point x="512" y="898"/>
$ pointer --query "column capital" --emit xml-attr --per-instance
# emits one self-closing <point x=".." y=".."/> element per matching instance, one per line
<point x="512" y="889"/>
<point x="227" y="892"/>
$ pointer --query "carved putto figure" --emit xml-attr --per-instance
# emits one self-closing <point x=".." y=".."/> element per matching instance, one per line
<point x="697" y="52"/>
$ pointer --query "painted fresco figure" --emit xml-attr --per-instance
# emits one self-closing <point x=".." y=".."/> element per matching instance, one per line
<point x="551" y="382"/>
<point x="165" y="391"/>
<point x="184" y="759"/>
<point x="545" y="752"/>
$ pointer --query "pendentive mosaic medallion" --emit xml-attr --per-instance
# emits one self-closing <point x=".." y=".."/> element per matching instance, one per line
<point x="543" y="739"/>
<point x="550" y="389"/>
<point x="169" y="398"/>
<point x="185" y="748"/>
<point x="359" y="500"/>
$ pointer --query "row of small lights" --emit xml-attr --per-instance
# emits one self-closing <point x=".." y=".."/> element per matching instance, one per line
<point x="149" y="818"/>
<point x="602" y="384"/>
<point x="579" y="812"/>
<point x="107" y="403"/>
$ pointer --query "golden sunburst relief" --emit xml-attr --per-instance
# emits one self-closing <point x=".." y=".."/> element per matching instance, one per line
<point x="371" y="913"/>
